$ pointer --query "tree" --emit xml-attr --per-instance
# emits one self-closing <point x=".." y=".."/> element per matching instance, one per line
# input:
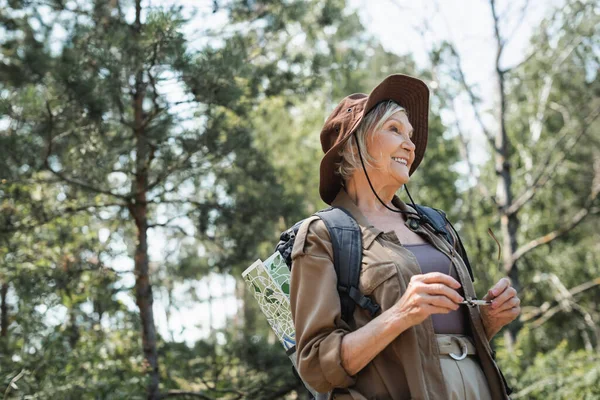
<point x="543" y="141"/>
<point x="97" y="114"/>
<point x="544" y="107"/>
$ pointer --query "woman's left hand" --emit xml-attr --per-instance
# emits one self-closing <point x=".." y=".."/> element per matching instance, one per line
<point x="504" y="309"/>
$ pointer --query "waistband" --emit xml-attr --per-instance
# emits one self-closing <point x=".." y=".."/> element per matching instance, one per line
<point x="456" y="346"/>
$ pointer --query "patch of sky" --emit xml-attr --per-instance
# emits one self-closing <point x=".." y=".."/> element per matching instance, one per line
<point x="202" y="307"/>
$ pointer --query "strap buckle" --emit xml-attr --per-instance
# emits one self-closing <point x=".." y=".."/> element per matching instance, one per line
<point x="363" y="301"/>
<point x="464" y="349"/>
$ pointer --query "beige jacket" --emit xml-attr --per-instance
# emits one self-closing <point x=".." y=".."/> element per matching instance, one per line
<point x="409" y="367"/>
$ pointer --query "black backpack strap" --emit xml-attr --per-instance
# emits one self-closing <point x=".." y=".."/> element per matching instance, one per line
<point x="286" y="243"/>
<point x="437" y="220"/>
<point x="346" y="239"/>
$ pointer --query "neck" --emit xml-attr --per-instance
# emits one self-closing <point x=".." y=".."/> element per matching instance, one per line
<point x="360" y="192"/>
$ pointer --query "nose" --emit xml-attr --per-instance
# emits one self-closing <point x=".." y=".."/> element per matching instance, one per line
<point x="408" y="145"/>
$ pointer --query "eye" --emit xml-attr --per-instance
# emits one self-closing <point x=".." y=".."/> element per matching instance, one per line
<point x="394" y="129"/>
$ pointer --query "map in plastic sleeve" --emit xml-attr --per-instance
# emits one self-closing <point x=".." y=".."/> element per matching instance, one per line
<point x="269" y="282"/>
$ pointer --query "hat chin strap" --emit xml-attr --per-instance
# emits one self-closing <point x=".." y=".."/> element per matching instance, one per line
<point x="417" y="214"/>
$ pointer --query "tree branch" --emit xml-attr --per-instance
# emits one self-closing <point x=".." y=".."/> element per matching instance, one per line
<point x="179" y="165"/>
<point x="537" y="124"/>
<point x="547" y="306"/>
<point x="167" y="224"/>
<point x="520" y="20"/>
<point x="472" y="97"/>
<point x="499" y="40"/>
<point x="83" y="185"/>
<point x="548" y="167"/>
<point x="157" y="108"/>
<point x="564" y="300"/>
<point x="575" y="220"/>
<point x="521" y="63"/>
<point x="198" y="204"/>
<point x="62" y="7"/>
<point x="63" y="177"/>
<point x="464" y="150"/>
<point x="537" y="385"/>
<point x="171" y="169"/>
<point x="13" y="381"/>
<point x="61" y="213"/>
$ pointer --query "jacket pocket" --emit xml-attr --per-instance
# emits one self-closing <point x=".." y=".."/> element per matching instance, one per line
<point x="380" y="282"/>
<point x="374" y="275"/>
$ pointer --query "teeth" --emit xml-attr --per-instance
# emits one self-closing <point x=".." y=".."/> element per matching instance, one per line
<point x="400" y="160"/>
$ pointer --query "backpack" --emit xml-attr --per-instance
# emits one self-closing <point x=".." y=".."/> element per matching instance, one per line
<point x="346" y="240"/>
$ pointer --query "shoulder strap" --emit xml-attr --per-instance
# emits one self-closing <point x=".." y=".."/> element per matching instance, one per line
<point x="437" y="220"/>
<point x="286" y="242"/>
<point x="346" y="239"/>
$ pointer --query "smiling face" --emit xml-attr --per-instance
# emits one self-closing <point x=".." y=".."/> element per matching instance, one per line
<point x="393" y="152"/>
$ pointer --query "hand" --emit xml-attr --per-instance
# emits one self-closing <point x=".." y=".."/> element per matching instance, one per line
<point x="426" y="294"/>
<point x="504" y="309"/>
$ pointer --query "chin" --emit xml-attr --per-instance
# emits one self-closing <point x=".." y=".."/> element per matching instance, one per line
<point x="402" y="180"/>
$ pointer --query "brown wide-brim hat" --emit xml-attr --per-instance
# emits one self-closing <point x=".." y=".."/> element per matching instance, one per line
<point x="410" y="93"/>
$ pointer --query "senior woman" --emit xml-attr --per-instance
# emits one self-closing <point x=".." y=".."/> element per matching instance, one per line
<point x="423" y="344"/>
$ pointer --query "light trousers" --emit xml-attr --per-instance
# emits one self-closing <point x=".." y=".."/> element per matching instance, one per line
<point x="464" y="377"/>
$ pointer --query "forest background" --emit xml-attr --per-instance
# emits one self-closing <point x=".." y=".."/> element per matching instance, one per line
<point x="151" y="151"/>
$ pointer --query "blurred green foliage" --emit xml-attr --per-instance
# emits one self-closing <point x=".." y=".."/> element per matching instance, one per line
<point x="231" y="126"/>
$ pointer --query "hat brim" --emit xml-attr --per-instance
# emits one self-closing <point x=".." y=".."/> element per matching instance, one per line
<point x="410" y="93"/>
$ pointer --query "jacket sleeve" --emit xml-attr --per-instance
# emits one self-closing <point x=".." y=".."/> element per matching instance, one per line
<point x="316" y="309"/>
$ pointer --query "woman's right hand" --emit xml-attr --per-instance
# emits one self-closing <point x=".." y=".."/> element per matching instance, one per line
<point x="427" y="294"/>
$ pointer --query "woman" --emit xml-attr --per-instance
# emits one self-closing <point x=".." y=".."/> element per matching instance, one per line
<point x="423" y="344"/>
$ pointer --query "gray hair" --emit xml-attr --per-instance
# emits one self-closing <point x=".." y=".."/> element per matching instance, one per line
<point x="372" y="123"/>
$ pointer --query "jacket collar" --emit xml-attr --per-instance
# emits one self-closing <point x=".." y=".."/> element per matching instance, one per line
<point x="369" y="232"/>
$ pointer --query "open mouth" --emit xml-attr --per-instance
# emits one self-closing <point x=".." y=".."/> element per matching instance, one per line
<point x="400" y="160"/>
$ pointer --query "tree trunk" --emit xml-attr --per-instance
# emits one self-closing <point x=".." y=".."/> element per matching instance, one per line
<point x="3" y="310"/>
<point x="73" y="330"/>
<point x="508" y="221"/>
<point x="139" y="211"/>
<point x="144" y="298"/>
<point x="209" y="302"/>
<point x="168" y="312"/>
<point x="249" y="314"/>
<point x="239" y="318"/>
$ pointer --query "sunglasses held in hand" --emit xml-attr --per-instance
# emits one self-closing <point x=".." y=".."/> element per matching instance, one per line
<point x="475" y="302"/>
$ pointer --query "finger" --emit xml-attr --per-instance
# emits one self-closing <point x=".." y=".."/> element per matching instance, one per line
<point x="442" y="290"/>
<point x="509" y="314"/>
<point x="431" y="309"/>
<point x="508" y="294"/>
<point x="437" y="277"/>
<point x="440" y="302"/>
<point x="509" y="304"/>
<point x="498" y="288"/>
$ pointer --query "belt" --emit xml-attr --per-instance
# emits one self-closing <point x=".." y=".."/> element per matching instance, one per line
<point x="456" y="346"/>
